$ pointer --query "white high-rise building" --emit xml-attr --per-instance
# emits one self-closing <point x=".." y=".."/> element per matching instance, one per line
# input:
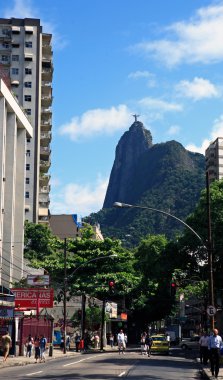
<point x="214" y="159"/>
<point x="14" y="130"/>
<point x="26" y="66"/>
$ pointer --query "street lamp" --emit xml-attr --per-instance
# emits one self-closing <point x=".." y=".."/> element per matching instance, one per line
<point x="66" y="278"/>
<point x="207" y="248"/>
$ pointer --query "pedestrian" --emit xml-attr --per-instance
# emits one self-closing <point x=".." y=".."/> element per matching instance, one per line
<point x="111" y="340"/>
<point x="95" y="339"/>
<point x="143" y="343"/>
<point x="148" y="343"/>
<point x="121" y="342"/>
<point x="214" y="346"/>
<point x="62" y="343"/>
<point x="42" y="346"/>
<point x="29" y="346"/>
<point x="203" y="343"/>
<point x="126" y="339"/>
<point x="37" y="348"/>
<point x="68" y="343"/>
<point x="6" y="344"/>
<point x="77" y="340"/>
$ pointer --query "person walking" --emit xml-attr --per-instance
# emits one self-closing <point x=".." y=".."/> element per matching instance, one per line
<point x="121" y="342"/>
<point x="6" y="344"/>
<point x="37" y="348"/>
<point x="29" y="346"/>
<point x="203" y="343"/>
<point x="77" y="340"/>
<point x="148" y="343"/>
<point x="214" y="346"/>
<point x="42" y="346"/>
<point x="111" y="340"/>
<point x="143" y="343"/>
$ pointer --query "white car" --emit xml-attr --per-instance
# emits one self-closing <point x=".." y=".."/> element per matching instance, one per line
<point x="190" y="343"/>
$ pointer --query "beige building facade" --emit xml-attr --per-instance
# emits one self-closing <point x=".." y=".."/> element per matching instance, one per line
<point x="27" y="68"/>
<point x="14" y="130"/>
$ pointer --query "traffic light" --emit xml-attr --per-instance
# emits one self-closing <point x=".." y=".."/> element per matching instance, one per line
<point x="173" y="289"/>
<point x="111" y="285"/>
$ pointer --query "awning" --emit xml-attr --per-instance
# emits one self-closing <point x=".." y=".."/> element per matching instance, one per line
<point x="16" y="28"/>
<point x="29" y="29"/>
<point x="15" y="82"/>
<point x="28" y="55"/>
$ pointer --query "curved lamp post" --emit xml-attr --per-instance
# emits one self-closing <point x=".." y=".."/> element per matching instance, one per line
<point x="208" y="248"/>
<point x="65" y="291"/>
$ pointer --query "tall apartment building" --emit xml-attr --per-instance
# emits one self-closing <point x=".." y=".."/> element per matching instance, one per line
<point x="14" y="130"/>
<point x="214" y="159"/>
<point x="26" y="67"/>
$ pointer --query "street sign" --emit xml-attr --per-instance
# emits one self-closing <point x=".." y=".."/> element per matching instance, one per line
<point x="211" y="310"/>
<point x="33" y="298"/>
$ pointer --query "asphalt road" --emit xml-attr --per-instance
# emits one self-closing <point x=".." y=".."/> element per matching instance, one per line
<point x="108" y="366"/>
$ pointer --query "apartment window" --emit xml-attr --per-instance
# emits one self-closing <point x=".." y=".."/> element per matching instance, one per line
<point x="28" y="84"/>
<point x="27" y="166"/>
<point x="27" y="98"/>
<point x="28" y="71"/>
<point x="15" y="57"/>
<point x="15" y="71"/>
<point x="28" y="153"/>
<point x="5" y="58"/>
<point x="5" y="45"/>
<point x="28" y="140"/>
<point x="27" y="180"/>
<point x="6" y="32"/>
<point x="15" y="45"/>
<point x="28" y="112"/>
<point x="27" y="194"/>
<point x="28" y="44"/>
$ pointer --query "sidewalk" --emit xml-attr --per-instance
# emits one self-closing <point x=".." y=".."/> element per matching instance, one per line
<point x="23" y="360"/>
<point x="205" y="369"/>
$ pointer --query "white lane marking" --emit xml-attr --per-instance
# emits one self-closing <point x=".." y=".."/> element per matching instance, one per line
<point x="33" y="373"/>
<point x="79" y="361"/>
<point x="121" y="374"/>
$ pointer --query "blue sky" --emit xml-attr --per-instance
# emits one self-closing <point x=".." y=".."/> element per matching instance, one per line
<point x="161" y="59"/>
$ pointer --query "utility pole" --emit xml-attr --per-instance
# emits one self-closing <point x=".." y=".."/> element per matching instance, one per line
<point x="210" y="251"/>
<point x="102" y="324"/>
<point x="83" y="316"/>
<point x="65" y="296"/>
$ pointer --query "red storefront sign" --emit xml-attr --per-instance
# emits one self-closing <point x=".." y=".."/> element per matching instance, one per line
<point x="33" y="298"/>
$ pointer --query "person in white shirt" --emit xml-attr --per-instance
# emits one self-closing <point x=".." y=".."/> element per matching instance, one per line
<point x="203" y="343"/>
<point x="214" y="346"/>
<point x="121" y="342"/>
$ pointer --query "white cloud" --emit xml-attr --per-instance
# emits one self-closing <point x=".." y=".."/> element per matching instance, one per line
<point x="26" y="9"/>
<point x="217" y="131"/>
<point x="197" y="41"/>
<point x="21" y="9"/>
<point x="151" y="82"/>
<point x="97" y="121"/>
<point x="198" y="89"/>
<point x="79" y="199"/>
<point x="161" y="105"/>
<point x="173" y="130"/>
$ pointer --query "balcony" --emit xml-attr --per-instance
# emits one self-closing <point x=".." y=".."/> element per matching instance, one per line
<point x="46" y="110"/>
<point x="46" y="125"/>
<point x="44" y="152"/>
<point x="44" y="189"/>
<point x="44" y="179"/>
<point x="44" y="198"/>
<point x="43" y="219"/>
<point x="45" y="138"/>
<point x="44" y="166"/>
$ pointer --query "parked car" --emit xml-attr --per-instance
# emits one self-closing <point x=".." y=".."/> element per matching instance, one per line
<point x="160" y="344"/>
<point x="190" y="343"/>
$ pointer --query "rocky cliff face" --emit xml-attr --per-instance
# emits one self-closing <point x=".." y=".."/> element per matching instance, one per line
<point x="163" y="176"/>
<point x="131" y="147"/>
